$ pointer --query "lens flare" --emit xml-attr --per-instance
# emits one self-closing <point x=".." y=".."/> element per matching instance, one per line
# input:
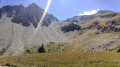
<point x="48" y="4"/>
<point x="43" y="16"/>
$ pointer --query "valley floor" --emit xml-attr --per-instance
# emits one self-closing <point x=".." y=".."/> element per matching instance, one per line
<point x="86" y="59"/>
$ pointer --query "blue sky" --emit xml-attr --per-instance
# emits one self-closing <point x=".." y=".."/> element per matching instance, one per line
<point x="63" y="9"/>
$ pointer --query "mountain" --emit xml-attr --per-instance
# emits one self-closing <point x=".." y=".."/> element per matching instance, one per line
<point x="27" y="15"/>
<point x="87" y="17"/>
<point x="19" y="31"/>
<point x="100" y="34"/>
<point x="97" y="34"/>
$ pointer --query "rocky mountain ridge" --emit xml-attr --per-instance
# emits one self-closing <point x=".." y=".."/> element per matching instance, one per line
<point x="18" y="25"/>
<point x="87" y="17"/>
<point x="26" y="15"/>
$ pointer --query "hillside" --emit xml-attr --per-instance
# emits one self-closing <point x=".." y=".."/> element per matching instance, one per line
<point x="98" y="34"/>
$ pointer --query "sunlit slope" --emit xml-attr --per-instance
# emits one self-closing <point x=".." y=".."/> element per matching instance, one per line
<point x="100" y="34"/>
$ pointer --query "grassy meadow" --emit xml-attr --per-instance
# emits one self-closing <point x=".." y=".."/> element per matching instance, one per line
<point x="83" y="59"/>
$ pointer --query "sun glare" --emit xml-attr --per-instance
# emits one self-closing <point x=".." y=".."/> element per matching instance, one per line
<point x="43" y="16"/>
<point x="48" y="4"/>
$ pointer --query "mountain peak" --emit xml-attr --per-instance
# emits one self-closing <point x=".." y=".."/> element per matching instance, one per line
<point x="32" y="14"/>
<point x="103" y="11"/>
<point x="33" y="5"/>
<point x="87" y="15"/>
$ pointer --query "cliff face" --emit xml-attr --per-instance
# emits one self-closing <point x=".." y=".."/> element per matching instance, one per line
<point x="27" y="15"/>
<point x="70" y="27"/>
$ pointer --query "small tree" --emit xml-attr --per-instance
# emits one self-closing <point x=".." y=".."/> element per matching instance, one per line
<point x="2" y="51"/>
<point x="27" y="51"/>
<point x="41" y="49"/>
<point x="118" y="50"/>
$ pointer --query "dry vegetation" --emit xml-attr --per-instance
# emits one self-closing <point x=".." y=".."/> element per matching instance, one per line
<point x="63" y="60"/>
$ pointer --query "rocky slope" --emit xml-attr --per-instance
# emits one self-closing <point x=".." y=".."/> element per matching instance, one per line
<point x="19" y="31"/>
<point x="98" y="34"/>
<point x="18" y="25"/>
<point x="26" y="15"/>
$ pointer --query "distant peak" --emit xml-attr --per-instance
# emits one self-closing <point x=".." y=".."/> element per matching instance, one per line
<point x="33" y="5"/>
<point x="93" y="12"/>
<point x="89" y="12"/>
<point x="104" y="11"/>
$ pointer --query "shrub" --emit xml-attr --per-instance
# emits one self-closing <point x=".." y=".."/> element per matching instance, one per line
<point x="41" y="49"/>
<point x="2" y="51"/>
<point x="118" y="50"/>
<point x="27" y="51"/>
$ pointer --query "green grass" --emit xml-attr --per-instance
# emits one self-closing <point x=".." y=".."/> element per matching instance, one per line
<point x="64" y="60"/>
